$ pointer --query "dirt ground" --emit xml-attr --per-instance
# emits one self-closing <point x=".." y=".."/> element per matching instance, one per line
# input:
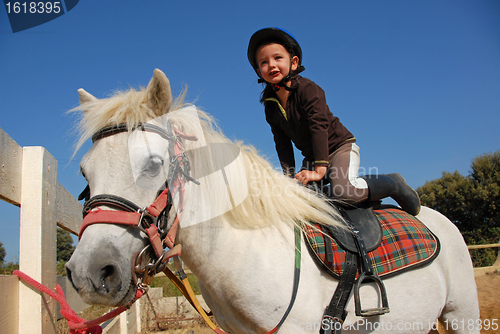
<point x="488" y="288"/>
<point x="187" y="329"/>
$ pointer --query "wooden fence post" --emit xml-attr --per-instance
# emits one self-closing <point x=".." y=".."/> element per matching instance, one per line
<point x="497" y="262"/>
<point x="28" y="178"/>
<point x="11" y="161"/>
<point x="138" y="308"/>
<point x="37" y="250"/>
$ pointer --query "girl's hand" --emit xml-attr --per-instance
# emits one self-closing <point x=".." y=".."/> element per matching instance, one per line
<point x="306" y="176"/>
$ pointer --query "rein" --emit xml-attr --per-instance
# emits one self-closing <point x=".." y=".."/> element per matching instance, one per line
<point x="76" y="324"/>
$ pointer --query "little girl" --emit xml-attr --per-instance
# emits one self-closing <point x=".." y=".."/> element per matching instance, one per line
<point x="297" y="112"/>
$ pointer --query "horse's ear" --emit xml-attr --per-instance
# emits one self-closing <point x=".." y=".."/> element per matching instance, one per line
<point x="85" y="97"/>
<point x="158" y="94"/>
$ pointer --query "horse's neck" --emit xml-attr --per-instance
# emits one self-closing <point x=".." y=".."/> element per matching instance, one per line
<point x="218" y="248"/>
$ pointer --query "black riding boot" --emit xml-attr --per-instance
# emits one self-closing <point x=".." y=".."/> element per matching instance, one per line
<point x="393" y="185"/>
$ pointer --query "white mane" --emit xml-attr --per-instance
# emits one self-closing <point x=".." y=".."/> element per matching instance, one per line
<point x="272" y="197"/>
<point x="129" y="107"/>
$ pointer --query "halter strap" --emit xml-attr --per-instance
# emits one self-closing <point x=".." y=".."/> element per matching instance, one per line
<point x="115" y="129"/>
<point x="116" y="202"/>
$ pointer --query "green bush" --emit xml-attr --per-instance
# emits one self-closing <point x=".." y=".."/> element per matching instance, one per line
<point x="170" y="290"/>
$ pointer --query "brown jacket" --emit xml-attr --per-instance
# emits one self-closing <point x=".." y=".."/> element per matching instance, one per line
<point x="308" y="123"/>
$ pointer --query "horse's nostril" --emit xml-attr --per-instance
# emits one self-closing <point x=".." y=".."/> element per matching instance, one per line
<point x="108" y="271"/>
<point x="69" y="277"/>
<point x="108" y="278"/>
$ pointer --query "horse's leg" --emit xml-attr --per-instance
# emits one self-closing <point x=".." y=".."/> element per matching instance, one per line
<point x="461" y="309"/>
<point x="440" y="329"/>
<point x="460" y="312"/>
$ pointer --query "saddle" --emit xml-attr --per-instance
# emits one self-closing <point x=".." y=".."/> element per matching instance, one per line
<point x="362" y="221"/>
<point x="354" y="254"/>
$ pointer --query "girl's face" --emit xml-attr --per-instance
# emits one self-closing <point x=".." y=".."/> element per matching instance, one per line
<point x="274" y="62"/>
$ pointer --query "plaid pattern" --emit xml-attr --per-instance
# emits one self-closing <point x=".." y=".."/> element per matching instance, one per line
<point x="406" y="243"/>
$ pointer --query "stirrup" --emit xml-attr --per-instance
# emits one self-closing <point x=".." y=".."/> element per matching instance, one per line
<point x="383" y="294"/>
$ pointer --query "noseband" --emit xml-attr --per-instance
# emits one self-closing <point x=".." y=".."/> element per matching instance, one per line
<point x="150" y="220"/>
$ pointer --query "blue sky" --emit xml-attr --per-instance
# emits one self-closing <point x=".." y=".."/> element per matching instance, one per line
<point x="417" y="82"/>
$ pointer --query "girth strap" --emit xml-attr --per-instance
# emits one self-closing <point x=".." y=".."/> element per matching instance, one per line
<point x="335" y="313"/>
<point x="328" y="244"/>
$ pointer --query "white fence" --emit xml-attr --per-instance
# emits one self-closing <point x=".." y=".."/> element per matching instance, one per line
<point x="494" y="267"/>
<point x="28" y="179"/>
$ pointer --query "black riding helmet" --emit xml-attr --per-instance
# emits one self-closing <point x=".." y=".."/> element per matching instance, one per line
<point x="274" y="35"/>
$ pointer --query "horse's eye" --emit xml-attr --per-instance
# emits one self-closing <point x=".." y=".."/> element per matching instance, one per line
<point x="154" y="166"/>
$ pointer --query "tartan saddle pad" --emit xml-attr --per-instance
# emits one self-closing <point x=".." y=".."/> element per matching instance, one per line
<point x="406" y="243"/>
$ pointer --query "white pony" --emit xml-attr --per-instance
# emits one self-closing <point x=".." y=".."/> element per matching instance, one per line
<point x="237" y="230"/>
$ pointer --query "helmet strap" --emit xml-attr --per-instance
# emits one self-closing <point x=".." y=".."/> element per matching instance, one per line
<point x="276" y="87"/>
<point x="282" y="83"/>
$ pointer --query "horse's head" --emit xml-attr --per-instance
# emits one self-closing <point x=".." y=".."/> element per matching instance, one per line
<point x="126" y="169"/>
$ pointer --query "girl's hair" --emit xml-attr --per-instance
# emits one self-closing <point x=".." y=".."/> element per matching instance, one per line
<point x="266" y="92"/>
